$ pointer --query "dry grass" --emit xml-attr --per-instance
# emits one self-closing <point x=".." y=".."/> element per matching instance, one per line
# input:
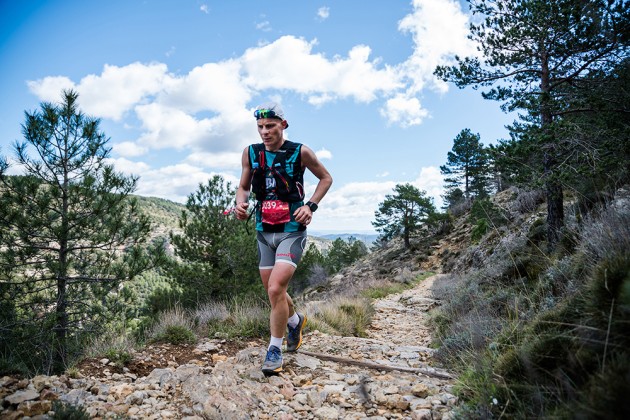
<point x="175" y="325"/>
<point x="341" y="316"/>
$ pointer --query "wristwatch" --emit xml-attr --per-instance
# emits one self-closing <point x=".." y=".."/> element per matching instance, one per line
<point x="311" y="205"/>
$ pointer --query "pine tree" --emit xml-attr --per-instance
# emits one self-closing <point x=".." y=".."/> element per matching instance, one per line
<point x="403" y="213"/>
<point x="531" y="51"/>
<point x="70" y="235"/>
<point x="467" y="166"/>
<point x="217" y="256"/>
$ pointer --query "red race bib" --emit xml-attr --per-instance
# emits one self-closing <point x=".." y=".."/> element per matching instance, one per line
<point x="275" y="212"/>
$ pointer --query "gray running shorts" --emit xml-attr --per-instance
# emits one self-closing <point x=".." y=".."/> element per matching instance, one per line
<point x="285" y="247"/>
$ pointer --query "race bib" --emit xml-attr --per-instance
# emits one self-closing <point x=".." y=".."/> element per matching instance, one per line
<point x="275" y="212"/>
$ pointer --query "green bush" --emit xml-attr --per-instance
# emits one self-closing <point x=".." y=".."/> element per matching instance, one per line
<point x="66" y="411"/>
<point x="177" y="334"/>
<point x="175" y="326"/>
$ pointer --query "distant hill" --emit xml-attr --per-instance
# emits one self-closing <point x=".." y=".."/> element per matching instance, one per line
<point x="367" y="239"/>
<point x="163" y="212"/>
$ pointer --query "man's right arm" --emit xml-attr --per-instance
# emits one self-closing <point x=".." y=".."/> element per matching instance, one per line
<point x="244" y="185"/>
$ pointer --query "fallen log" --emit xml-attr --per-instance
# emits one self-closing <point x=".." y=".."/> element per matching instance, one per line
<point x="377" y="366"/>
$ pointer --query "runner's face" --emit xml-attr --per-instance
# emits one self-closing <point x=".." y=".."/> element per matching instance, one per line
<point x="270" y="131"/>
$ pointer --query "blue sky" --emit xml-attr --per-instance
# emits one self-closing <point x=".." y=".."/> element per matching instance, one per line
<point x="175" y="83"/>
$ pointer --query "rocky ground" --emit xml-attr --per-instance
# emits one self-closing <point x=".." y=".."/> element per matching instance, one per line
<point x="387" y="375"/>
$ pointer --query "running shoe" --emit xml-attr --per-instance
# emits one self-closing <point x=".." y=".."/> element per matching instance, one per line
<point x="273" y="361"/>
<point x="294" y="337"/>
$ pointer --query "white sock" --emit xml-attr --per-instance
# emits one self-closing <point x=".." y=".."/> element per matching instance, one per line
<point x="294" y="320"/>
<point x="275" y="341"/>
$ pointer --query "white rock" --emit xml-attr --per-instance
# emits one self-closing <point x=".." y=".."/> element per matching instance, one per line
<point x="327" y="413"/>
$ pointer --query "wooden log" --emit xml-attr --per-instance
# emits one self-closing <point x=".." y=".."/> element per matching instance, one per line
<point x="378" y="366"/>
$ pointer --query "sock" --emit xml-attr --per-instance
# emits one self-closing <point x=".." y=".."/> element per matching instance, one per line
<point x="275" y="341"/>
<point x="294" y="320"/>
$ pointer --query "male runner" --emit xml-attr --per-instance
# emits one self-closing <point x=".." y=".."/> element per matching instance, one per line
<point x="273" y="170"/>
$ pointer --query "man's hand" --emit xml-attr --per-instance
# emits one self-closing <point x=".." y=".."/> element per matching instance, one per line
<point x="303" y="215"/>
<point x="241" y="211"/>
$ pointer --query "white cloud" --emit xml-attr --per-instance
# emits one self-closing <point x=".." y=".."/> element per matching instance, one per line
<point x="383" y="174"/>
<point x="129" y="167"/>
<point x="49" y="88"/>
<point x="207" y="110"/>
<point x="204" y="8"/>
<point x="431" y="181"/>
<point x="439" y="29"/>
<point x="405" y="111"/>
<point x="128" y="149"/>
<point x="315" y="75"/>
<point x="118" y="89"/>
<point x="110" y="94"/>
<point x="174" y="182"/>
<point x="216" y="161"/>
<point x="323" y="13"/>
<point x="323" y="154"/>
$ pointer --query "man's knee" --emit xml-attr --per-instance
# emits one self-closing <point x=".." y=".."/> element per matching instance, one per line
<point x="276" y="291"/>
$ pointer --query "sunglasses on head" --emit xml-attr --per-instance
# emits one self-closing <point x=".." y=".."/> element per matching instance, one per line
<point x="266" y="113"/>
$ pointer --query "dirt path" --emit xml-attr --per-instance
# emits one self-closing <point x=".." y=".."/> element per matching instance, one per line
<point x="212" y="384"/>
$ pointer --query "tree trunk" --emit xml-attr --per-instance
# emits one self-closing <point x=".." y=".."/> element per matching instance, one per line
<point x="553" y="188"/>
<point x="61" y="315"/>
<point x="61" y="328"/>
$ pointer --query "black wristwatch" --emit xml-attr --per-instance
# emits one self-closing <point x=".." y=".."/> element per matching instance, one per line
<point x="311" y="205"/>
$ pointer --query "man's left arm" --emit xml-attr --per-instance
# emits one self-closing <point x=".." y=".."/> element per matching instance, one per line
<point x="312" y="163"/>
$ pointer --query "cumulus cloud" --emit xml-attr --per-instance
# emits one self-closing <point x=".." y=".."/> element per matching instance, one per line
<point x="403" y="110"/>
<point x="110" y="94"/>
<point x="323" y="13"/>
<point x="48" y="88"/>
<point x="225" y="161"/>
<point x="204" y="8"/>
<point x="323" y="154"/>
<point x="129" y="149"/>
<point x="313" y="74"/>
<point x="174" y="182"/>
<point x="439" y="30"/>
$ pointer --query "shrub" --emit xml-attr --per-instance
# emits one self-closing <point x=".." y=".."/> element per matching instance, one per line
<point x="526" y="201"/>
<point x="211" y="312"/>
<point x="606" y="233"/>
<point x="174" y="324"/>
<point x="117" y="347"/>
<point x="177" y="334"/>
<point x="66" y="411"/>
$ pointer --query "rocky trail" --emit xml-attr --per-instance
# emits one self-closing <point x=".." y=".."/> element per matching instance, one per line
<point x="387" y="375"/>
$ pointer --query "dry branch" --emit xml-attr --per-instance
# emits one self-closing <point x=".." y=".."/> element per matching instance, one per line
<point x="377" y="366"/>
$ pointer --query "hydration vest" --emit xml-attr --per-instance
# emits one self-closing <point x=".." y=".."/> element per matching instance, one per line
<point x="286" y="169"/>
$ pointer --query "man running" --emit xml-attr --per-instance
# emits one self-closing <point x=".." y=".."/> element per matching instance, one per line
<point x="274" y="171"/>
